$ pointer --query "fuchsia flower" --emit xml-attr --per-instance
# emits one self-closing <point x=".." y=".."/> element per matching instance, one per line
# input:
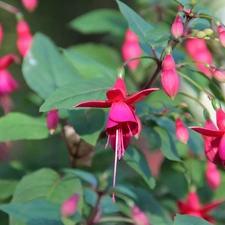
<point x="122" y="121"/>
<point x="182" y="133"/>
<point x="218" y="74"/>
<point x="212" y="175"/>
<point x="221" y="32"/>
<point x="198" y="51"/>
<point x="131" y="49"/>
<point x="177" y="28"/>
<point x="214" y="139"/>
<point x="1" y="34"/>
<point x="69" y="207"/>
<point x="169" y="77"/>
<point x="24" y="37"/>
<point x="192" y="207"/>
<point x="30" y="5"/>
<point x="7" y="83"/>
<point x="52" y="120"/>
<point x="139" y="217"/>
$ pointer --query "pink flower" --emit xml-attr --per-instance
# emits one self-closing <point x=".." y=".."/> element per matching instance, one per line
<point x="221" y="32"/>
<point x="131" y="49"/>
<point x="24" y="37"/>
<point x="69" y="207"/>
<point x="122" y="121"/>
<point x="194" y="45"/>
<point x="218" y="74"/>
<point x="1" y="34"/>
<point x="177" y="28"/>
<point x="168" y="62"/>
<point x="139" y="217"/>
<point x="52" y="120"/>
<point x="212" y="175"/>
<point x="182" y="133"/>
<point x="30" y="5"/>
<point x="7" y="83"/>
<point x="192" y="207"/>
<point x="214" y="139"/>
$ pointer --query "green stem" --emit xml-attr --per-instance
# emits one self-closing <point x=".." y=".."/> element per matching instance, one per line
<point x="115" y="219"/>
<point x="210" y="96"/>
<point x="9" y="8"/>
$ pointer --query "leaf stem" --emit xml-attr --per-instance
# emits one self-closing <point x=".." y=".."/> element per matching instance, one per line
<point x="9" y="8"/>
<point x="115" y="219"/>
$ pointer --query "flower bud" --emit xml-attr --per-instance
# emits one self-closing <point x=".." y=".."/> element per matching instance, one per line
<point x="7" y="60"/>
<point x="194" y="45"/>
<point x="219" y="74"/>
<point x="170" y="82"/>
<point x="24" y="37"/>
<point x="30" y="5"/>
<point x="220" y="119"/>
<point x="69" y="207"/>
<point x="201" y="34"/>
<point x="130" y="36"/>
<point x="168" y="62"/>
<point x="181" y="131"/>
<point x="52" y="120"/>
<point x="139" y="217"/>
<point x="212" y="175"/>
<point x="1" y="34"/>
<point x="208" y="31"/>
<point x="216" y="103"/>
<point x="221" y="32"/>
<point x="177" y="27"/>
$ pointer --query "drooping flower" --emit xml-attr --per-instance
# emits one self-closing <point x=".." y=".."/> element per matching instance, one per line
<point x="181" y="131"/>
<point x="218" y="74"/>
<point x="7" y="83"/>
<point x="177" y="28"/>
<point x="139" y="216"/>
<point x="212" y="175"/>
<point x="214" y="139"/>
<point x="69" y="207"/>
<point x="52" y="120"/>
<point x="30" y="5"/>
<point x="221" y="33"/>
<point x="24" y="37"/>
<point x="1" y="34"/>
<point x="131" y="49"/>
<point x="122" y="121"/>
<point x="192" y="207"/>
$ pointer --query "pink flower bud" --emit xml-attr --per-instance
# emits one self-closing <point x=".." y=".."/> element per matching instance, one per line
<point x="170" y="82"/>
<point x="193" y="200"/>
<point x="24" y="37"/>
<point x="212" y="175"/>
<point x="220" y="119"/>
<point x="1" y="34"/>
<point x="30" y="5"/>
<point x="219" y="74"/>
<point x="221" y="32"/>
<point x="194" y="45"/>
<point x="131" y="49"/>
<point x="69" y="207"/>
<point x="182" y="133"/>
<point x="177" y="28"/>
<point x="52" y="120"/>
<point x="168" y="62"/>
<point x="7" y="60"/>
<point x="139" y="217"/>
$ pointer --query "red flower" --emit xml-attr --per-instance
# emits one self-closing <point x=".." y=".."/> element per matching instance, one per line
<point x="131" y="49"/>
<point x="1" y="34"/>
<point x="122" y="122"/>
<point x="30" y="5"/>
<point x="139" y="217"/>
<point x="52" y="120"/>
<point x="212" y="175"/>
<point x="192" y="207"/>
<point x="182" y="133"/>
<point x="214" y="139"/>
<point x="177" y="28"/>
<point x="24" y="37"/>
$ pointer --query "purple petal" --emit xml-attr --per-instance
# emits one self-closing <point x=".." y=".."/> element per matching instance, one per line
<point x="95" y="104"/>
<point x="208" y="132"/>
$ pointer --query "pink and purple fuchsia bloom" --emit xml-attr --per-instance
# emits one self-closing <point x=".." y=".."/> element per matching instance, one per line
<point x="122" y="121"/>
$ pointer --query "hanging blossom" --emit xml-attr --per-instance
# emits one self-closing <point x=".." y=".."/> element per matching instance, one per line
<point x="177" y="27"/>
<point x="131" y="49"/>
<point x="193" y="207"/>
<point x="181" y="131"/>
<point x="69" y="207"/>
<point x="122" y="121"/>
<point x="30" y="5"/>
<point x="221" y="33"/>
<point x="214" y="138"/>
<point x="138" y="216"/>
<point x="7" y="83"/>
<point x="52" y="120"/>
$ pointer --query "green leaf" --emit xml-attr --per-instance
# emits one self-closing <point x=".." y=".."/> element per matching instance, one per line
<point x="79" y="91"/>
<point x="36" y="212"/>
<point x="166" y="143"/>
<point x="87" y="67"/>
<point x="89" y="123"/>
<point x="44" y="69"/>
<point x="184" y="2"/>
<point x="7" y="188"/>
<point x="83" y="175"/>
<point x="189" y="220"/>
<point x="136" y="23"/>
<point x="103" y="54"/>
<point x="18" y="126"/>
<point x="100" y="21"/>
<point x="207" y="14"/>
<point x="137" y="161"/>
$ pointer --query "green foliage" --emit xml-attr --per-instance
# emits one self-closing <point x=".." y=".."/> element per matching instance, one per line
<point x="187" y="220"/>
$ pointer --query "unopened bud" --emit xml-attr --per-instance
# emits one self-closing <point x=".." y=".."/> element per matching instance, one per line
<point x="201" y="34"/>
<point x="221" y="33"/>
<point x="212" y="175"/>
<point x="121" y="72"/>
<point x="216" y="103"/>
<point x="168" y="62"/>
<point x="30" y="5"/>
<point x="182" y="133"/>
<point x="219" y="75"/>
<point x="208" y="31"/>
<point x="139" y="216"/>
<point x="52" y="120"/>
<point x="206" y="114"/>
<point x="177" y="27"/>
<point x="1" y="34"/>
<point x="69" y="207"/>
